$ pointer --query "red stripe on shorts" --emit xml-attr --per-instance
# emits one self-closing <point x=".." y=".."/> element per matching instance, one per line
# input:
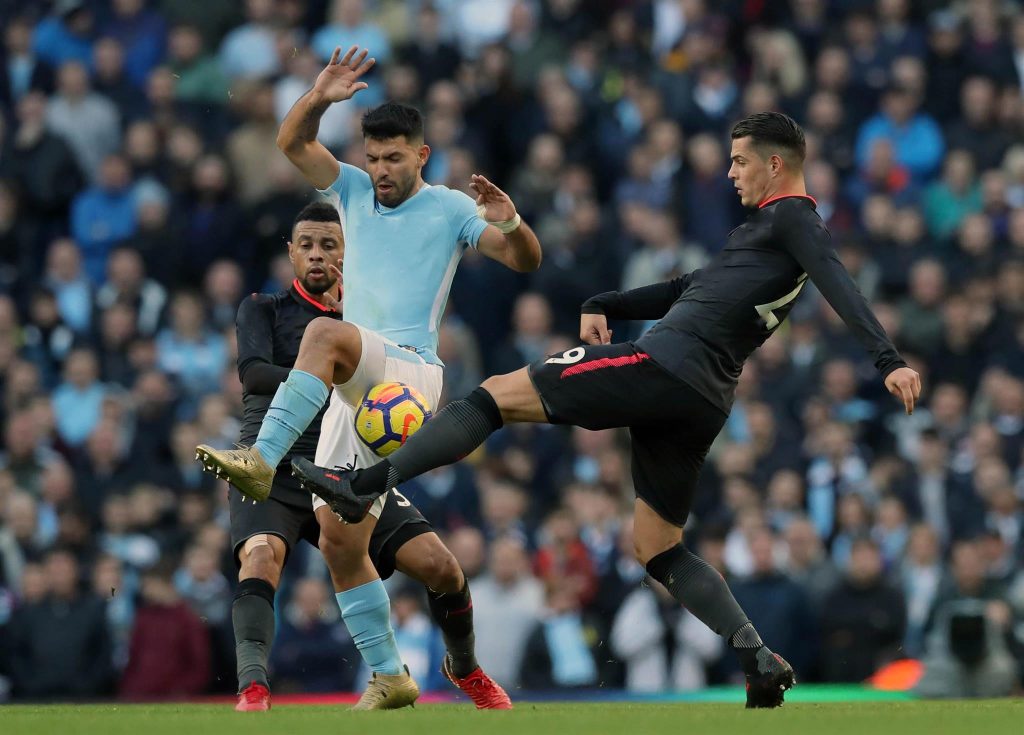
<point x="604" y="362"/>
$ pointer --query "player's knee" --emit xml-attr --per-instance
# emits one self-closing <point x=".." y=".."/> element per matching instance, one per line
<point x="329" y="334"/>
<point x="441" y="572"/>
<point x="340" y="548"/>
<point x="260" y="561"/>
<point x="646" y="549"/>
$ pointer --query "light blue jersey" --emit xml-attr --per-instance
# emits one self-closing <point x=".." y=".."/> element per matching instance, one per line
<point x="399" y="263"/>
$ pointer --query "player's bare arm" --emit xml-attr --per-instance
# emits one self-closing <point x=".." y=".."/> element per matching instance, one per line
<point x="339" y="81"/>
<point x="508" y="239"/>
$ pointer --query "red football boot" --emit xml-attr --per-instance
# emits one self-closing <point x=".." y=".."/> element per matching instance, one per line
<point x="478" y="686"/>
<point x="254" y="698"/>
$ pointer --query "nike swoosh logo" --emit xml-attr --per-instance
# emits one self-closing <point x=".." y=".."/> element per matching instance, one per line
<point x="406" y="425"/>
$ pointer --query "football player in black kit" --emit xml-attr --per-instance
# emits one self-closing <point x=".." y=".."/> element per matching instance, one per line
<point x="674" y="386"/>
<point x="269" y="328"/>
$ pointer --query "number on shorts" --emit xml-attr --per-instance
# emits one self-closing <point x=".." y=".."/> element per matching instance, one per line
<point x="568" y="357"/>
<point x="402" y="500"/>
<point x="766" y="310"/>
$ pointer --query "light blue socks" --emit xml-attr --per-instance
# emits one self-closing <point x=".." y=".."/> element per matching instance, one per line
<point x="297" y="402"/>
<point x="366" y="610"/>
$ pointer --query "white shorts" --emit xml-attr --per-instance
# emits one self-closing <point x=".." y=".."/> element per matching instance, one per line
<point x="381" y="361"/>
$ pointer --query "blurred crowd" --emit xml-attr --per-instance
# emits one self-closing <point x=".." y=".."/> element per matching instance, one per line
<point x="141" y="196"/>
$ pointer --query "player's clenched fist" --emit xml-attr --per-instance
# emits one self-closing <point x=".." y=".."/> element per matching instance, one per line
<point x="905" y="384"/>
<point x="594" y="329"/>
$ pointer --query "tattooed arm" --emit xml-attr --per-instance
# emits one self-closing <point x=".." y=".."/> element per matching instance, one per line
<point x="297" y="137"/>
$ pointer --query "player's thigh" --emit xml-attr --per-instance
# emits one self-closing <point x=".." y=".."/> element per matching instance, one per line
<point x="666" y="463"/>
<point x="516" y="397"/>
<point x="381" y="360"/>
<point x="400" y="522"/>
<point x="600" y="386"/>
<point x="369" y="370"/>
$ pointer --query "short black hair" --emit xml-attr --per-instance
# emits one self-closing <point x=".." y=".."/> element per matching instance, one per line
<point x="391" y="120"/>
<point x="773" y="130"/>
<point x="317" y="212"/>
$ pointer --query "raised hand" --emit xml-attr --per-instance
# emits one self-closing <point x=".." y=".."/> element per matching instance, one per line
<point x="905" y="384"/>
<point x="339" y="80"/>
<point x="334" y="304"/>
<point x="495" y="205"/>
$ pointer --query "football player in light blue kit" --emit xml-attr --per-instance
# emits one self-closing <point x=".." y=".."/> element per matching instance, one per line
<point x="403" y="242"/>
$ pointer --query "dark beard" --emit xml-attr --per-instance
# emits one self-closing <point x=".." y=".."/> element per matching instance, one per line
<point x="398" y="200"/>
<point x="317" y="290"/>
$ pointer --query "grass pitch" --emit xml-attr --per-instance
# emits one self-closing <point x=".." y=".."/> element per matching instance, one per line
<point x="831" y="718"/>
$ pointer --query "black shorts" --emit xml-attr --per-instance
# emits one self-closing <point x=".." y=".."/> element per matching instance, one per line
<point x="671" y="425"/>
<point x="292" y="522"/>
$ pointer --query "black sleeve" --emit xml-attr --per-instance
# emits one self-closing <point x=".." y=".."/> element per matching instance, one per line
<point x="254" y="327"/>
<point x="646" y="302"/>
<point x="810" y="244"/>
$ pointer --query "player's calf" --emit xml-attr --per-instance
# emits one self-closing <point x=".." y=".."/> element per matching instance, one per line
<point x="261" y="559"/>
<point x="699" y="586"/>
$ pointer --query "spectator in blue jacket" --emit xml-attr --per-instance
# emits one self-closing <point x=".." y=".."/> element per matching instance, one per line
<point x="103" y="215"/>
<point x="916" y="138"/>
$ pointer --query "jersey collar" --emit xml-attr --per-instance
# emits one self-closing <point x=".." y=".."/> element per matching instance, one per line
<point x="304" y="295"/>
<point x="770" y="200"/>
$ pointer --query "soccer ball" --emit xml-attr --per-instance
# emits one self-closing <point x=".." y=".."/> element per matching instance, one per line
<point x="389" y="414"/>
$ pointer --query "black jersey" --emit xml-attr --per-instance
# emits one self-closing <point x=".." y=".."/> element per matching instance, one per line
<point x="712" y="319"/>
<point x="269" y="329"/>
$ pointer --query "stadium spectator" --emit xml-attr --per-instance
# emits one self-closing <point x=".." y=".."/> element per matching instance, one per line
<point x="862" y="620"/>
<point x="103" y="214"/>
<point x="86" y="120"/>
<point x="308" y="654"/>
<point x="198" y="74"/>
<point x="23" y="70"/>
<point x="188" y="350"/>
<point x="141" y="32"/>
<point x="169" y="653"/>
<point x="59" y="645"/>
<point x="559" y="652"/>
<point x="249" y="51"/>
<point x="66" y="34"/>
<point x="507" y="603"/>
<point x="43" y="165"/>
<point x="78" y="399"/>
<point x="110" y="79"/>
<point x="807" y="563"/>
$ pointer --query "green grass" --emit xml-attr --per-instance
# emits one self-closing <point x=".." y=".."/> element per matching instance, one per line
<point x="862" y="718"/>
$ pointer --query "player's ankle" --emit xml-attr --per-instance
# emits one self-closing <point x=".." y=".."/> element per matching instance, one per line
<point x="462" y="664"/>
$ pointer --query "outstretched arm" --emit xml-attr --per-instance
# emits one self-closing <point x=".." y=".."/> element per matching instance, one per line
<point x="646" y="302"/>
<point x="297" y="136"/>
<point x="811" y="247"/>
<point x="508" y="239"/>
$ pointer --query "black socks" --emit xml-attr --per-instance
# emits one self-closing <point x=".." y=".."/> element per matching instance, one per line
<point x="453" y="613"/>
<point x="252" y="615"/>
<point x="701" y="589"/>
